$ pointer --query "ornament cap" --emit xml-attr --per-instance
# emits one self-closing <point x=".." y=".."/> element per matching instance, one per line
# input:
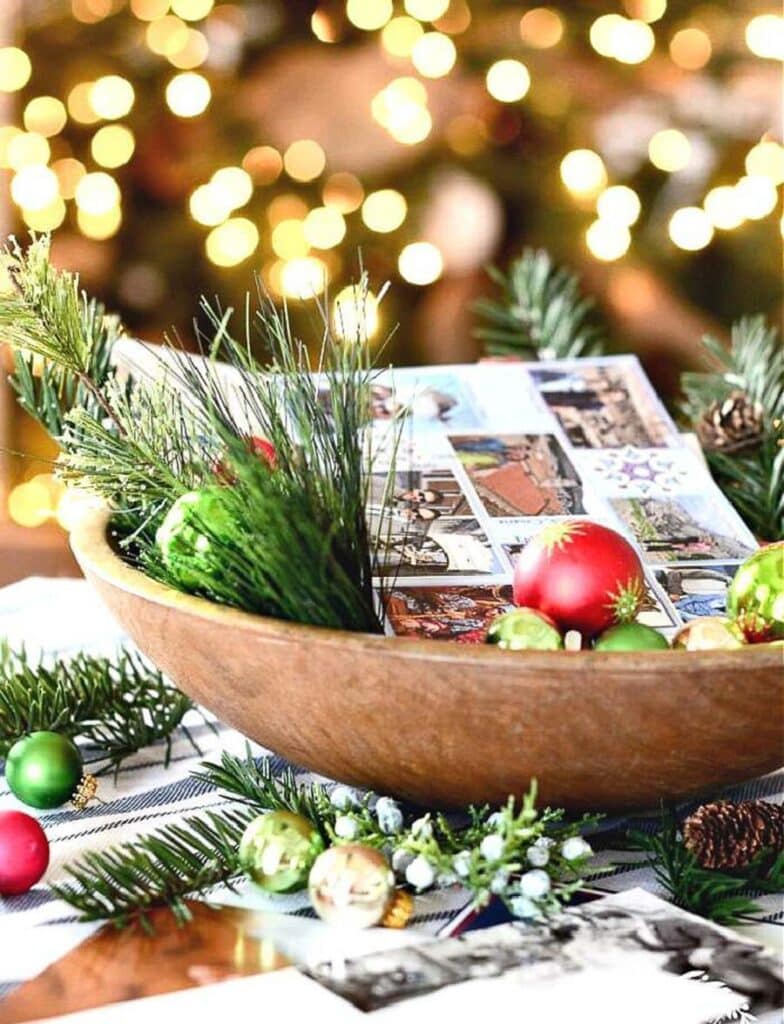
<point x="399" y="911"/>
<point x="85" y="792"/>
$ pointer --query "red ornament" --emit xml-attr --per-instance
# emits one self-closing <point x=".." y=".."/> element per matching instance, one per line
<point x="259" y="446"/>
<point x="583" y="575"/>
<point x="24" y="852"/>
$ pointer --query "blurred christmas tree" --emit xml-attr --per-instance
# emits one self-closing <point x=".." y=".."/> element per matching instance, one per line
<point x="176" y="146"/>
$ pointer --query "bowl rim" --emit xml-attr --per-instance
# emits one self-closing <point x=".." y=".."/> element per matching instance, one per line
<point x="96" y="557"/>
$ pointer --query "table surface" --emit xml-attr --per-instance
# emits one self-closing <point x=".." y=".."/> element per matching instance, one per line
<point x="60" y="617"/>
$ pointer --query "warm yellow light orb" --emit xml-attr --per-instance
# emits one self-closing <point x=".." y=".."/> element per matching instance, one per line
<point x="49" y="218"/>
<point x="263" y="164"/>
<point x="766" y="159"/>
<point x="208" y="206"/>
<point x="288" y="239"/>
<point x="232" y="242"/>
<point x="355" y="314"/>
<point x="192" y="53"/>
<point x="323" y="26"/>
<point x="633" y="41"/>
<point x="112" y="97"/>
<point x="765" y="36"/>
<point x="619" y="204"/>
<point x="669" y="150"/>
<point x="400" y="35"/>
<point x="369" y="15"/>
<point x="607" y="240"/>
<point x="343" y="191"/>
<point x="583" y="172"/>
<point x="426" y="10"/>
<point x="304" y="160"/>
<point x="508" y="80"/>
<point x="757" y="196"/>
<point x="79" y="104"/>
<point x="384" y="210"/>
<point x="15" y="69"/>
<point x="690" y="228"/>
<point x="723" y="207"/>
<point x="97" y="193"/>
<point x="541" y="27"/>
<point x="74" y="503"/>
<point x="8" y="132"/>
<point x="45" y="115"/>
<point x="112" y="145"/>
<point x="434" y="55"/>
<point x="28" y="503"/>
<point x="410" y="125"/>
<point x="690" y="48"/>
<point x="69" y="173"/>
<point x="192" y="10"/>
<point x="324" y="227"/>
<point x="420" y="263"/>
<point x="27" y="148"/>
<point x="188" y="94"/>
<point x="303" y="278"/>
<point x="34" y="187"/>
<point x="149" y="10"/>
<point x="99" y="226"/>
<point x="602" y="33"/>
<point x="286" y="207"/>
<point x="646" y="10"/>
<point x="233" y="185"/>
<point x="167" y="35"/>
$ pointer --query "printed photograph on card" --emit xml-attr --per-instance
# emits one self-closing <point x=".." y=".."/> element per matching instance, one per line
<point x="451" y="613"/>
<point x="655" y="609"/>
<point x="696" y="590"/>
<point x="426" y="398"/>
<point x="604" y="405"/>
<point x="421" y="494"/>
<point x="520" y="474"/>
<point x="685" y="528"/>
<point x="413" y="545"/>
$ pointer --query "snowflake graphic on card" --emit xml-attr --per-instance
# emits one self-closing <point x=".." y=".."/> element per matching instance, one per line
<point x="642" y="471"/>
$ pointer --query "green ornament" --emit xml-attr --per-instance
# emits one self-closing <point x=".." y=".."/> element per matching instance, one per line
<point x="185" y="548"/>
<point x="756" y="596"/>
<point x="44" y="769"/>
<point x="277" y="851"/>
<point x="631" y="636"/>
<point x="524" y="629"/>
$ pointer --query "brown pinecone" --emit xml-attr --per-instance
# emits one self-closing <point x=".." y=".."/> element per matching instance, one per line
<point x="726" y="835"/>
<point x="732" y="425"/>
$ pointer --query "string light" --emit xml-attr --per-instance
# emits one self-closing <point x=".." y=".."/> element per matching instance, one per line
<point x="420" y="263"/>
<point x="192" y="10"/>
<point x="188" y="94"/>
<point x="288" y="239"/>
<point x="286" y="207"/>
<point x="149" y="10"/>
<point x="645" y="10"/>
<point x="343" y="191"/>
<point x="400" y="35"/>
<point x="669" y="150"/>
<point x="78" y="103"/>
<point x="627" y="40"/>
<point x="324" y="227"/>
<point x="690" y="48"/>
<point x="208" y="206"/>
<point x="112" y="97"/>
<point x="45" y="115"/>
<point x="765" y="36"/>
<point x="455" y="19"/>
<point x="723" y="208"/>
<point x="26" y="148"/>
<point x="401" y="107"/>
<point x="607" y="240"/>
<point x="619" y="204"/>
<point x="112" y="145"/>
<point x="690" y="228"/>
<point x="234" y="185"/>
<point x="193" y="52"/>
<point x="263" y="163"/>
<point x="385" y="210"/>
<point x="69" y="173"/>
<point x="232" y="242"/>
<point x="757" y="196"/>
<point x="97" y="193"/>
<point x="167" y="35"/>
<point x="369" y="15"/>
<point x="323" y="27"/>
<point x="8" y="132"/>
<point x="426" y="10"/>
<point x="99" y="226"/>
<point x="91" y="11"/>
<point x="602" y="34"/>
<point x="28" y="503"/>
<point x="766" y="159"/>
<point x="355" y="314"/>
<point x="434" y="55"/>
<point x="466" y="134"/>
<point x="47" y="219"/>
<point x="303" y="278"/>
<point x="583" y="172"/>
<point x="15" y="69"/>
<point x="34" y="187"/>
<point x="508" y="80"/>
<point x="304" y="160"/>
<point x="541" y="27"/>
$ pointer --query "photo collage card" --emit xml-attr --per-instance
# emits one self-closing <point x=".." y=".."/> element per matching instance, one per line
<point x="491" y="453"/>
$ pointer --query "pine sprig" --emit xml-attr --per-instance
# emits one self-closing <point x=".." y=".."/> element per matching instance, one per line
<point x="717" y="895"/>
<point x="117" y="706"/>
<point x="754" y="364"/>
<point x="541" y="312"/>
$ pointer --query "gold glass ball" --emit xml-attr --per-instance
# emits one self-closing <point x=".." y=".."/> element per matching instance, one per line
<point x="351" y="886"/>
<point x="709" y="633"/>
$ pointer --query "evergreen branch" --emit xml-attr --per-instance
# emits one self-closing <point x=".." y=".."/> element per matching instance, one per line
<point x="754" y="364"/>
<point x="119" y="706"/>
<point x="716" y="895"/>
<point x="164" y="868"/>
<point x="541" y="312"/>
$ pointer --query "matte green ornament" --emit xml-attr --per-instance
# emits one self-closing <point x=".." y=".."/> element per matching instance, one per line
<point x="187" y="551"/>
<point x="524" y="629"/>
<point x="277" y="851"/>
<point x="756" y="596"/>
<point x="631" y="636"/>
<point x="44" y="769"/>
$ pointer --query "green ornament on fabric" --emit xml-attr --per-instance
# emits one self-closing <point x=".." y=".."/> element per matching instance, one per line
<point x="44" y="769"/>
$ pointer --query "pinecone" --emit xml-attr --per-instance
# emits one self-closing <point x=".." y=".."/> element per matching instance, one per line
<point x="726" y="835"/>
<point x="731" y="425"/>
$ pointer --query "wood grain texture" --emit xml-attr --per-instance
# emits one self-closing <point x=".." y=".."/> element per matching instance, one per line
<point x="445" y="724"/>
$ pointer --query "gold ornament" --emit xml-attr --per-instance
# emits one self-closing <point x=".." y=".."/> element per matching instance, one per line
<point x="399" y="910"/>
<point x="85" y="791"/>
<point x="709" y="633"/>
<point x="351" y="886"/>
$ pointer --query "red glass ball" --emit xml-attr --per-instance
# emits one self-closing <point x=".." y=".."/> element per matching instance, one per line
<point x="24" y="852"/>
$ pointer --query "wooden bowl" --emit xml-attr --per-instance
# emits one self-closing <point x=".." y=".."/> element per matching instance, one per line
<point x="447" y="724"/>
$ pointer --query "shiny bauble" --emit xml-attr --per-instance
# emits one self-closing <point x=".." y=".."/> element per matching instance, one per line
<point x="44" y="769"/>
<point x="24" y="852"/>
<point x="259" y="446"/>
<point x="582" y="575"/>
<point x="524" y="629"/>
<point x="631" y="636"/>
<point x="351" y="886"/>
<point x="277" y="851"/>
<point x="186" y="549"/>
<point x="756" y="596"/>
<point x="709" y="633"/>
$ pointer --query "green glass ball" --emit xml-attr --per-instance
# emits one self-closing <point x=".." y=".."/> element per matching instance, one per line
<point x="756" y="595"/>
<point x="524" y="629"/>
<point x="631" y="636"/>
<point x="43" y="769"/>
<point x="186" y="549"/>
<point x="277" y="851"/>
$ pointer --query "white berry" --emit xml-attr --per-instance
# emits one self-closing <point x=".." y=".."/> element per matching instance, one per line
<point x="343" y="798"/>
<point x="390" y="817"/>
<point x="346" y="828"/>
<point x="521" y="906"/>
<point x="422" y="828"/>
<point x="572" y="849"/>
<point x="537" y="856"/>
<point x="535" y="884"/>
<point x="492" y="847"/>
<point x="420" y="873"/>
<point x="461" y="862"/>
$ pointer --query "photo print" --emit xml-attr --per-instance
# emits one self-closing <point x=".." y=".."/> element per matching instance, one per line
<point x="520" y="474"/>
<point x="421" y="545"/>
<point x="455" y="613"/>
<point x="697" y="590"/>
<point x="654" y="609"/>
<point x="604" y="405"/>
<point x="427" y="398"/>
<point x="684" y="528"/>
<point x="421" y="494"/>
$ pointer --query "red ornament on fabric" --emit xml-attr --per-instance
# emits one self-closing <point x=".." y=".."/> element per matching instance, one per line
<point x="24" y="852"/>
<point x="584" y="576"/>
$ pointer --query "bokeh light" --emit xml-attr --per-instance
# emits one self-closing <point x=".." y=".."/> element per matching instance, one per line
<point x="188" y="94"/>
<point x="263" y="163"/>
<point x="34" y="187"/>
<point x="48" y="218"/>
<point x="384" y="210"/>
<point x="355" y="314"/>
<point x="15" y="69"/>
<point x="434" y="55"/>
<point x="619" y="204"/>
<point x="420" y="263"/>
<point x="369" y="15"/>
<point x="541" y="27"/>
<point x="303" y="278"/>
<point x="99" y="226"/>
<point x="426" y="10"/>
<point x="234" y="185"/>
<point x="757" y="196"/>
<point x="690" y="228"/>
<point x="669" y="150"/>
<point x="26" y="148"/>
<point x="69" y="173"/>
<point x="690" y="48"/>
<point x="112" y="97"/>
<point x="304" y="160"/>
<point x="45" y="115"/>
<point x="192" y="10"/>
<point x="765" y="36"/>
<point x="112" y="145"/>
<point x="79" y="104"/>
<point x="723" y="207"/>
<point x="583" y="172"/>
<point x="508" y="80"/>
<point x="288" y="239"/>
<point x="324" y="227"/>
<point x="767" y="159"/>
<point x="97" y="193"/>
<point x="607" y="240"/>
<point x="344" y="191"/>
<point x="400" y="35"/>
<point x="232" y="242"/>
<point x="627" y="40"/>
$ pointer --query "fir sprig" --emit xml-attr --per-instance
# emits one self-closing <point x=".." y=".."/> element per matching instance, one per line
<point x="541" y="312"/>
<point x="118" y="706"/>
<point x="718" y="895"/>
<point x="754" y="364"/>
